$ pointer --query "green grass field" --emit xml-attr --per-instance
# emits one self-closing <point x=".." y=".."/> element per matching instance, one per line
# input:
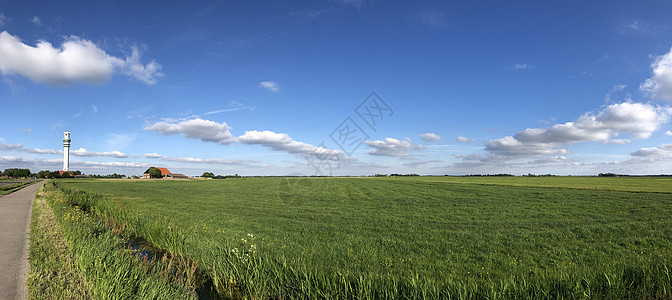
<point x="13" y="186"/>
<point x="419" y="237"/>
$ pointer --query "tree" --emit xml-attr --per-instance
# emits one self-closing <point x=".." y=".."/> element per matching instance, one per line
<point x="78" y="172"/>
<point x="16" y="173"/>
<point x="154" y="172"/>
<point x="66" y="174"/>
<point x="208" y="174"/>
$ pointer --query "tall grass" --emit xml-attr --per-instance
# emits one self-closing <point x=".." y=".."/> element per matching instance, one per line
<point x="381" y="239"/>
<point x="104" y="258"/>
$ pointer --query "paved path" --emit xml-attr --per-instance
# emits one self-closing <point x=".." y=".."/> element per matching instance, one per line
<point x="15" y="210"/>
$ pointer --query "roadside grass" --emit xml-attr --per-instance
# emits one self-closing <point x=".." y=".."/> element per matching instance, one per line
<point x="393" y="238"/>
<point x="110" y="267"/>
<point x="10" y="188"/>
<point x="53" y="271"/>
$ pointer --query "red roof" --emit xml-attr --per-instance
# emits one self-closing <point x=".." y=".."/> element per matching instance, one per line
<point x="164" y="171"/>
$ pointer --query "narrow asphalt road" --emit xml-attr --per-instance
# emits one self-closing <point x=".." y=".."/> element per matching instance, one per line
<point x="15" y="210"/>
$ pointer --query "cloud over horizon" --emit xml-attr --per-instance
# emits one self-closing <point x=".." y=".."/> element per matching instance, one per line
<point x="76" y="152"/>
<point x="392" y="147"/>
<point x="639" y="120"/>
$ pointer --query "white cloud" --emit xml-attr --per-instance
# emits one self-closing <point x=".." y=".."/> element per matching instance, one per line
<point x="152" y="155"/>
<point x="283" y="142"/>
<point x="77" y="60"/>
<point x="619" y="141"/>
<point x="463" y="139"/>
<point x="210" y="160"/>
<point x="94" y="109"/>
<point x="430" y="137"/>
<point x="205" y="130"/>
<point x="4" y="146"/>
<point x="42" y="151"/>
<point x="210" y="131"/>
<point x="392" y="147"/>
<point x="84" y="152"/>
<point x="36" y="20"/>
<point x="659" y="86"/>
<point x="240" y="162"/>
<point x="270" y="85"/>
<point x="26" y="129"/>
<point x="511" y="147"/>
<point x="661" y="152"/>
<point x="637" y="119"/>
<point x="3" y="19"/>
<point x="523" y="67"/>
<point x="78" y="152"/>
<point x="668" y="133"/>
<point x="55" y="163"/>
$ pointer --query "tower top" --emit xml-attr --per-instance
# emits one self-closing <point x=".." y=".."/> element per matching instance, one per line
<point x="66" y="139"/>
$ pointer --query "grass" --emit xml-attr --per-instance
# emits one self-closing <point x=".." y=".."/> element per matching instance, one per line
<point x="10" y="188"/>
<point x="426" y="237"/>
<point x="53" y="270"/>
<point x="102" y="257"/>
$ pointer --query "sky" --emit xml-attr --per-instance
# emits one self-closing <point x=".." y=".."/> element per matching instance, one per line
<point x="339" y="87"/>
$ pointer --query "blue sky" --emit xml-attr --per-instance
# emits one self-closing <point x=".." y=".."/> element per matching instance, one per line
<point x="265" y="88"/>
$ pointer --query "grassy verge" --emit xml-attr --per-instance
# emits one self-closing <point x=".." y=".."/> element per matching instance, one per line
<point x="10" y="188"/>
<point x="53" y="270"/>
<point x="391" y="239"/>
<point x="110" y="268"/>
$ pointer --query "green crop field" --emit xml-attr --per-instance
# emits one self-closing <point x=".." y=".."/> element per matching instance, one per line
<point x="415" y="237"/>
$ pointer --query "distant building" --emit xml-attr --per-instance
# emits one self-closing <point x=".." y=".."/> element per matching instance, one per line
<point x="166" y="174"/>
<point x="60" y="173"/>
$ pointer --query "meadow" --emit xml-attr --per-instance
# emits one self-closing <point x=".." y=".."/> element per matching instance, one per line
<point x="8" y="186"/>
<point x="375" y="238"/>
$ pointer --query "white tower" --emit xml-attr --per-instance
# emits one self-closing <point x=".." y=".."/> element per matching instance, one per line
<point x="66" y="151"/>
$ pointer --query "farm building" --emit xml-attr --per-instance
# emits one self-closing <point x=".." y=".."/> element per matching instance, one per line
<point x="166" y="174"/>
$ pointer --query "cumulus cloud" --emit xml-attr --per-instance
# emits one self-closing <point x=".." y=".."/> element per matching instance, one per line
<point x="4" y="146"/>
<point x="659" y="86"/>
<point x="42" y="151"/>
<point x="661" y="152"/>
<point x="204" y="130"/>
<point x="430" y="137"/>
<point x="283" y="142"/>
<point x="151" y="155"/>
<point x="210" y="160"/>
<point x="270" y="85"/>
<point x="668" y="133"/>
<point x="392" y="147"/>
<point x="77" y="152"/>
<point x="637" y="119"/>
<point x="462" y="139"/>
<point x="210" y="131"/>
<point x="87" y="153"/>
<point x="76" y="61"/>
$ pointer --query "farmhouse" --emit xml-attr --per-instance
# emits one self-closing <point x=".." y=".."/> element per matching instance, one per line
<point x="165" y="174"/>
